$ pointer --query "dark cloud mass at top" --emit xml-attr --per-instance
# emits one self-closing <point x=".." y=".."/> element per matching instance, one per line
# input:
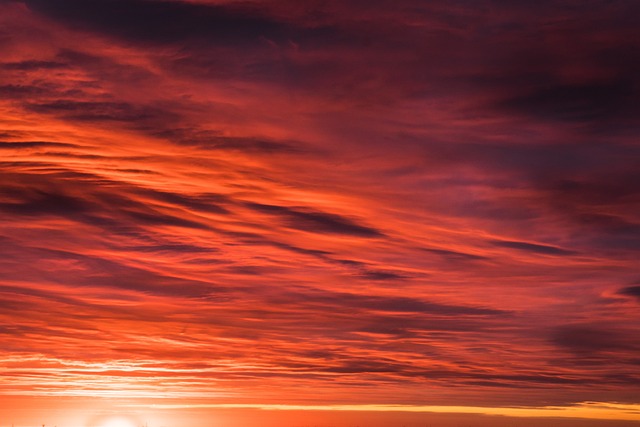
<point x="168" y="21"/>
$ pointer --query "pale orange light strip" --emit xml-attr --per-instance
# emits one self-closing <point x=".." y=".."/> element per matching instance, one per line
<point x="590" y="410"/>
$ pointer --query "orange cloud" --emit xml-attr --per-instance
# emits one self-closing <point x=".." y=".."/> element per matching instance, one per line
<point x="320" y="207"/>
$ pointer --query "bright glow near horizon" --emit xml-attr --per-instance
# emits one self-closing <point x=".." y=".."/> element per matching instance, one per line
<point x="117" y="421"/>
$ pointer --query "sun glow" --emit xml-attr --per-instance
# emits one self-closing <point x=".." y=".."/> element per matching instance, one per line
<point x="117" y="421"/>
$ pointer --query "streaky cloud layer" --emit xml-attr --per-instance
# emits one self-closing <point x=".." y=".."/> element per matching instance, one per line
<point x="322" y="205"/>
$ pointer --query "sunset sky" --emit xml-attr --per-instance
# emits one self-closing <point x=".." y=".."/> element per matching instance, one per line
<point x="319" y="213"/>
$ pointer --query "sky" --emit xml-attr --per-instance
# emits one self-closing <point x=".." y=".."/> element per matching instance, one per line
<point x="219" y="213"/>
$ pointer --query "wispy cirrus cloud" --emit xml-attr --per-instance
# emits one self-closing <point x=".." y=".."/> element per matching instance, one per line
<point x="401" y="203"/>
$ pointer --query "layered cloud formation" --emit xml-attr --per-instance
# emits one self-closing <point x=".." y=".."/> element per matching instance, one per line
<point x="408" y="202"/>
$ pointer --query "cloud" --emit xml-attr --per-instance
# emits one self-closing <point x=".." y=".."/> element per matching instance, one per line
<point x="382" y="275"/>
<point x="395" y="304"/>
<point x="99" y="111"/>
<point x="44" y="203"/>
<point x="532" y="247"/>
<point x="583" y="103"/>
<point x="168" y="21"/>
<point x="21" y="91"/>
<point x="207" y="202"/>
<point x="92" y="205"/>
<point x="455" y="255"/>
<point x="32" y="65"/>
<point x="12" y="145"/>
<point x="213" y="141"/>
<point x="209" y="198"/>
<point x="586" y="339"/>
<point x="601" y="206"/>
<point x="316" y="221"/>
<point x="632" y="291"/>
